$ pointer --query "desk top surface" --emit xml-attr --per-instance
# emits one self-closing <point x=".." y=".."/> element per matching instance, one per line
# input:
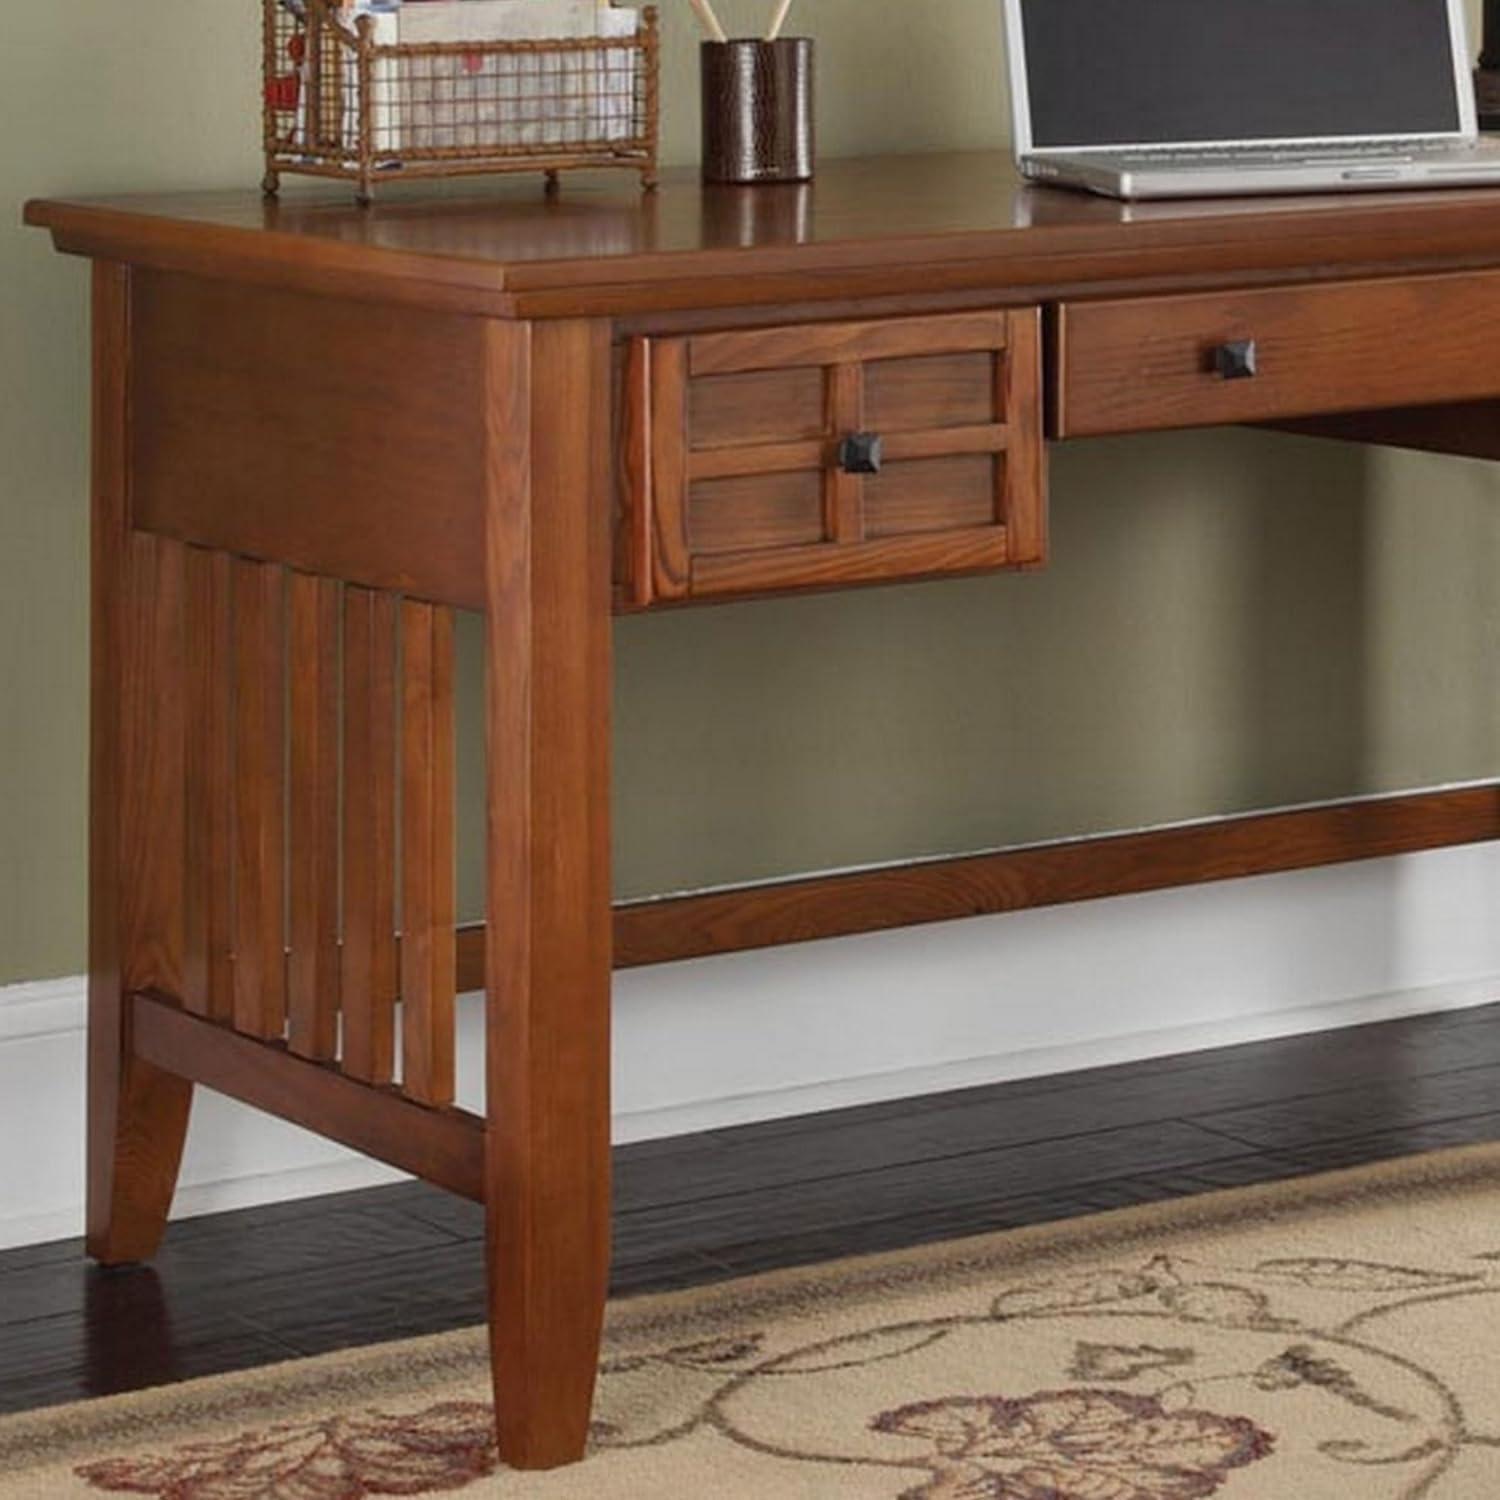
<point x="866" y="226"/>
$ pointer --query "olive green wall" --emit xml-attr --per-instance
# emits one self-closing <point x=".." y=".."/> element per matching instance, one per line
<point x="1232" y="619"/>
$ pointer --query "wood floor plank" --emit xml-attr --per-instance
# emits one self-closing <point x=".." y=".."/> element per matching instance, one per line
<point x="921" y="1187"/>
<point x="229" y="1250"/>
<point x="1374" y="1105"/>
<point x="1385" y="1145"/>
<point x="231" y="1291"/>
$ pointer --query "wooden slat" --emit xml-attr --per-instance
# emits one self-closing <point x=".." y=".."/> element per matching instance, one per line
<point x="844" y="493"/>
<point x="946" y="442"/>
<point x="759" y="458"/>
<point x="635" y="470"/>
<point x="444" y="1146"/>
<point x="259" y="719"/>
<point x="834" y="343"/>
<point x="427" y="868"/>
<point x="368" y="986"/>
<point x="208" y="900"/>
<point x="313" y="865"/>
<point x="821" y="566"/>
<point x="153" y="736"/>
<point x="1023" y="482"/>
<point x="671" y="564"/>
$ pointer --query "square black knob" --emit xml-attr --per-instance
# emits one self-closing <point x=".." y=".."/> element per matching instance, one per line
<point x="1236" y="360"/>
<point x="859" y="453"/>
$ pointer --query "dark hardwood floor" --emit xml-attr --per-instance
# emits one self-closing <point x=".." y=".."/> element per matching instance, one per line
<point x="241" y="1289"/>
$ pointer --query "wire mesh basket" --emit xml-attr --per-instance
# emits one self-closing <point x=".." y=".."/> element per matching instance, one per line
<point x="358" y="100"/>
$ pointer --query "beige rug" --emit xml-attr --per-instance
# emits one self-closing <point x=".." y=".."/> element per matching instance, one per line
<point x="1334" y="1337"/>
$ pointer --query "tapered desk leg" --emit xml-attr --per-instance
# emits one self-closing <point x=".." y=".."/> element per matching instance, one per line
<point x="137" y="1116"/>
<point x="549" y="947"/>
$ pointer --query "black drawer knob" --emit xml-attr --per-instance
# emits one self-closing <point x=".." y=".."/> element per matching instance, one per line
<point x="859" y="453"/>
<point x="1236" y="360"/>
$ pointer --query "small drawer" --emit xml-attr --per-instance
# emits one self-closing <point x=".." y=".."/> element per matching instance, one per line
<point x="831" y="453"/>
<point x="1252" y="356"/>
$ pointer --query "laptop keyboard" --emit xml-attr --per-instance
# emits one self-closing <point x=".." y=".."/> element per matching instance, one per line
<point x="1304" y="151"/>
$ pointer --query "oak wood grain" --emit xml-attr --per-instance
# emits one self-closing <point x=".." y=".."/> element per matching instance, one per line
<point x="821" y="344"/>
<point x="763" y="513"/>
<point x="1024" y="497"/>
<point x="663" y="518"/>
<point x="777" y="511"/>
<point x="260" y="798"/>
<point x="137" y="1115"/>
<point x="427" y="859"/>
<point x="954" y="550"/>
<point x="313" y="431"/>
<point x="929" y="391"/>
<point x="837" y="905"/>
<point x="445" y="1146"/>
<point x="755" y="407"/>
<point x="208" y="897"/>
<point x="548" y="891"/>
<point x="844" y="521"/>
<point x="632" y="521"/>
<point x="1128" y="364"/>
<point x="313" y="821"/>
<point x="964" y="219"/>
<point x="309" y="388"/>
<point x="368" y="978"/>
<point x="954" y="492"/>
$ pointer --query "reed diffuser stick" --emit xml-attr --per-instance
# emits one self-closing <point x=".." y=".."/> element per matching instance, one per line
<point x="778" y="20"/>
<point x="704" y="10"/>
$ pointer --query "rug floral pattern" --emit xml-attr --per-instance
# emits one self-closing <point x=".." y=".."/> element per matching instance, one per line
<point x="1166" y="1378"/>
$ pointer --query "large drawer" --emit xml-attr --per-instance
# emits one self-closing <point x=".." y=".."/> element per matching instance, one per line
<point x="1248" y="356"/>
<point x="827" y="454"/>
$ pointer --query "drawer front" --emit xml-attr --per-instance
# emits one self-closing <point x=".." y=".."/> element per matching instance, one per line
<point x="1148" y="362"/>
<point x="830" y="454"/>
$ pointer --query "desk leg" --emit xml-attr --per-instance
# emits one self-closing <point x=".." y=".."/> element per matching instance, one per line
<point x="137" y="1115"/>
<point x="549" y="947"/>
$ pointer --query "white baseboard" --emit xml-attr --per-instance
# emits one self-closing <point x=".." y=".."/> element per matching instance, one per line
<point x="725" y="1041"/>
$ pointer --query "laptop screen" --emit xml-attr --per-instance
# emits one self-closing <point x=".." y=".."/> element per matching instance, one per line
<point x="1140" y="72"/>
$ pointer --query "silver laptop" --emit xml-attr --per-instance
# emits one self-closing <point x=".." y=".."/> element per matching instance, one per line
<point x="1196" y="98"/>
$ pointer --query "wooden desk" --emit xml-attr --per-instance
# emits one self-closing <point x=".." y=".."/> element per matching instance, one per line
<point x="318" y="431"/>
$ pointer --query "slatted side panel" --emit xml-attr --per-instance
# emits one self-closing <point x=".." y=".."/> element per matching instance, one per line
<point x="304" y="745"/>
<point x="428" y="910"/>
<point x="369" y="835"/>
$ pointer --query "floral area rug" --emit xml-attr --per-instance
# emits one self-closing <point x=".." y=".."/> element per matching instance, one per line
<point x="1335" y="1338"/>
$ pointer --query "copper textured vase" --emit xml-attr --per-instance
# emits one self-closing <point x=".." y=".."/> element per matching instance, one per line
<point x="758" y="110"/>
